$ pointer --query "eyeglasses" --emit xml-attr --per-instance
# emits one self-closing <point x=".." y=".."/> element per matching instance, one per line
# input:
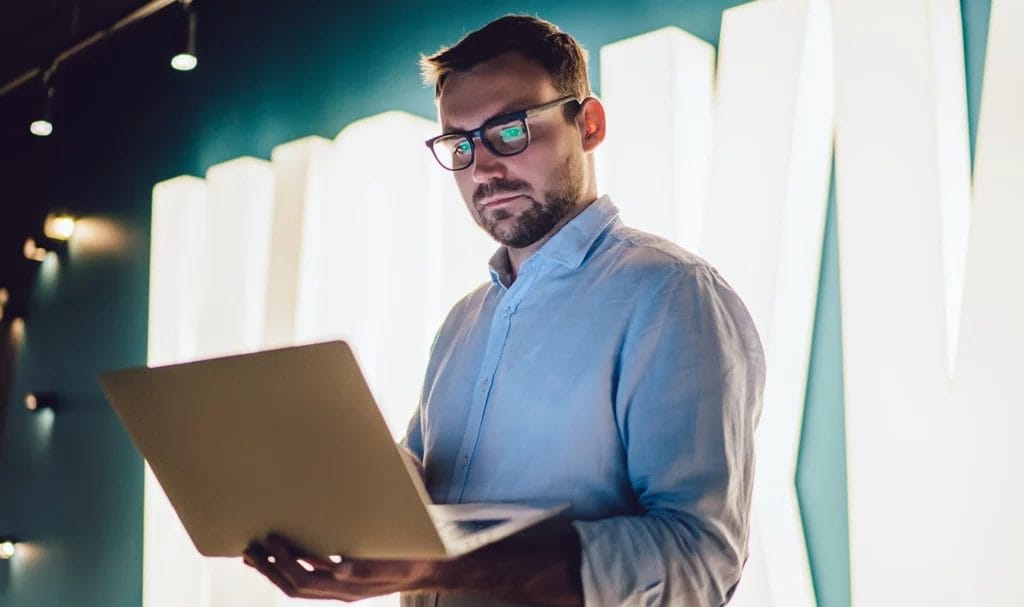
<point x="505" y="135"/>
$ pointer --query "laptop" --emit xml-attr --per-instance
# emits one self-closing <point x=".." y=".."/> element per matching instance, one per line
<point x="291" y="441"/>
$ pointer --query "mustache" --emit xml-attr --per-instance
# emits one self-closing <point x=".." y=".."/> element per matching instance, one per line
<point x="499" y="186"/>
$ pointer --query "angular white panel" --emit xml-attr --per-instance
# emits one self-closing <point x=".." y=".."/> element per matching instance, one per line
<point x="989" y="380"/>
<point x="172" y="572"/>
<point x="657" y="90"/>
<point x="238" y="215"/>
<point x="903" y="450"/>
<point x="763" y="230"/>
<point x="934" y="465"/>
<point x="176" y="245"/>
<point x="363" y="275"/>
<point x="301" y="169"/>
<point x="952" y="147"/>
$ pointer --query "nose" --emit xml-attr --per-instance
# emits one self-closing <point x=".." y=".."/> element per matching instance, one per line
<point x="486" y="165"/>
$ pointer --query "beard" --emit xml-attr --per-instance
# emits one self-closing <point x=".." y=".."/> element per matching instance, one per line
<point x="542" y="217"/>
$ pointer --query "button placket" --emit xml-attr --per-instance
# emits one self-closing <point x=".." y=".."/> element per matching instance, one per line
<point x="497" y="339"/>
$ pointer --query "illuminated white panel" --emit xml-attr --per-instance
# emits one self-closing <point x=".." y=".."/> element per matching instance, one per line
<point x="933" y="465"/>
<point x="300" y="169"/>
<point x="176" y="242"/>
<point x="657" y="91"/>
<point x="952" y="146"/>
<point x="989" y="382"/>
<point x="239" y="211"/>
<point x="763" y="231"/>
<point x="364" y="256"/>
<point x="172" y="572"/>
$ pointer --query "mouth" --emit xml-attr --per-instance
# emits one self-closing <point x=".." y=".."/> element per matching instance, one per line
<point x="499" y="201"/>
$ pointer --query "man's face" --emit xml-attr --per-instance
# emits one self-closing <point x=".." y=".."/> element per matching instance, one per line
<point x="517" y="199"/>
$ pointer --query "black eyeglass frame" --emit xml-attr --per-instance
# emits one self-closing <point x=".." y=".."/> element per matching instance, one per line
<point x="478" y="133"/>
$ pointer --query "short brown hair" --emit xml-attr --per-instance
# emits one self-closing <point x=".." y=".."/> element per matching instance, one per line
<point x="538" y="40"/>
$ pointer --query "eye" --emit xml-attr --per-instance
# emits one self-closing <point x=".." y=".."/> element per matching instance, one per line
<point x="462" y="148"/>
<point x="510" y="134"/>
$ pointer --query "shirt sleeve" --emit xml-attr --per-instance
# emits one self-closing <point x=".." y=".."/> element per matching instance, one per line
<point x="688" y="396"/>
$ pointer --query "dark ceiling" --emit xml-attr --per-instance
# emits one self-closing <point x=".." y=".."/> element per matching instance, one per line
<point x="32" y="34"/>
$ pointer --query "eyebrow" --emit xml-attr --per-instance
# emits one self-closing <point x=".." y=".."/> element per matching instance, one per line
<point x="510" y="108"/>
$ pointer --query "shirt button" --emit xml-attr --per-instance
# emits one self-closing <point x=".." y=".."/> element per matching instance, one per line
<point x="483" y="383"/>
<point x="465" y="461"/>
<point x="506" y="312"/>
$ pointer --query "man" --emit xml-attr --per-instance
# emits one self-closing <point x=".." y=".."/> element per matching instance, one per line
<point x="600" y="366"/>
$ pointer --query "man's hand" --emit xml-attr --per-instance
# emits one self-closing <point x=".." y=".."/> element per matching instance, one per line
<point x="519" y="568"/>
<point x="302" y="575"/>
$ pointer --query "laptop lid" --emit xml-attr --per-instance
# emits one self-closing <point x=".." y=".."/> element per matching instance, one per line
<point x="286" y="440"/>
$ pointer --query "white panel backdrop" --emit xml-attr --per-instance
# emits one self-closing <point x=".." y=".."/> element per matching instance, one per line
<point x="365" y="238"/>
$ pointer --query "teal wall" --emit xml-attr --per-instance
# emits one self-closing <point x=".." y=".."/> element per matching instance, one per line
<point x="269" y="72"/>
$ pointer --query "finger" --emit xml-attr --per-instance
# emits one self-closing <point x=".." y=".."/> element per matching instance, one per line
<point x="307" y="560"/>
<point x="283" y="572"/>
<point x="259" y="559"/>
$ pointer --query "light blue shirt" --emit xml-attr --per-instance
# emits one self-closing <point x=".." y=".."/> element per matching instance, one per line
<point x="621" y="374"/>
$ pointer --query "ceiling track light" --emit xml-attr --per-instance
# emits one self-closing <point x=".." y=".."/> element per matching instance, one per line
<point x="43" y="126"/>
<point x="32" y="250"/>
<point x="59" y="226"/>
<point x="186" y="60"/>
<point x="36" y="401"/>
<point x="8" y="547"/>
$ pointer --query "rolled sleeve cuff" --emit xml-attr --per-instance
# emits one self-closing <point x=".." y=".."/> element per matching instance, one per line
<point x="619" y="569"/>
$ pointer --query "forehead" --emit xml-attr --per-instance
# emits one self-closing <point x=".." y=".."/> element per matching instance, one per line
<point x="506" y="83"/>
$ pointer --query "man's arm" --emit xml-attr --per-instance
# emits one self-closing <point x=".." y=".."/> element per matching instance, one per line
<point x="687" y="400"/>
<point x="540" y="566"/>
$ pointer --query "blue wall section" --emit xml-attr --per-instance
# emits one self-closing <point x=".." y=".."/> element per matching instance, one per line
<point x="821" y="468"/>
<point x="975" y="14"/>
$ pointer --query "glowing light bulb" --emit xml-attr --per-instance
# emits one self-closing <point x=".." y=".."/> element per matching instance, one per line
<point x="7" y="549"/>
<point x="31" y="402"/>
<point x="59" y="227"/>
<point x="184" y="62"/>
<point x="30" y="248"/>
<point x="41" y="128"/>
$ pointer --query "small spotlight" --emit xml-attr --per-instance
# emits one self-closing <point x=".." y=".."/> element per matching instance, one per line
<point x="5" y="296"/>
<point x="271" y="559"/>
<point x="59" y="226"/>
<point x="334" y="558"/>
<point x="186" y="60"/>
<point x="8" y="547"/>
<point x="305" y="565"/>
<point x="41" y="128"/>
<point x="34" y="252"/>
<point x="18" y="329"/>
<point x="35" y="401"/>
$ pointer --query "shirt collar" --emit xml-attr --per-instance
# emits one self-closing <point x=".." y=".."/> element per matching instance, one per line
<point x="569" y="246"/>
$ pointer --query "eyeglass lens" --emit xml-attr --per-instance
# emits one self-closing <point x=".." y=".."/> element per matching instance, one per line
<point x="506" y="139"/>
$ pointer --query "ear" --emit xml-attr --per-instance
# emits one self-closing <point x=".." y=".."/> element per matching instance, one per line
<point x="590" y="120"/>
